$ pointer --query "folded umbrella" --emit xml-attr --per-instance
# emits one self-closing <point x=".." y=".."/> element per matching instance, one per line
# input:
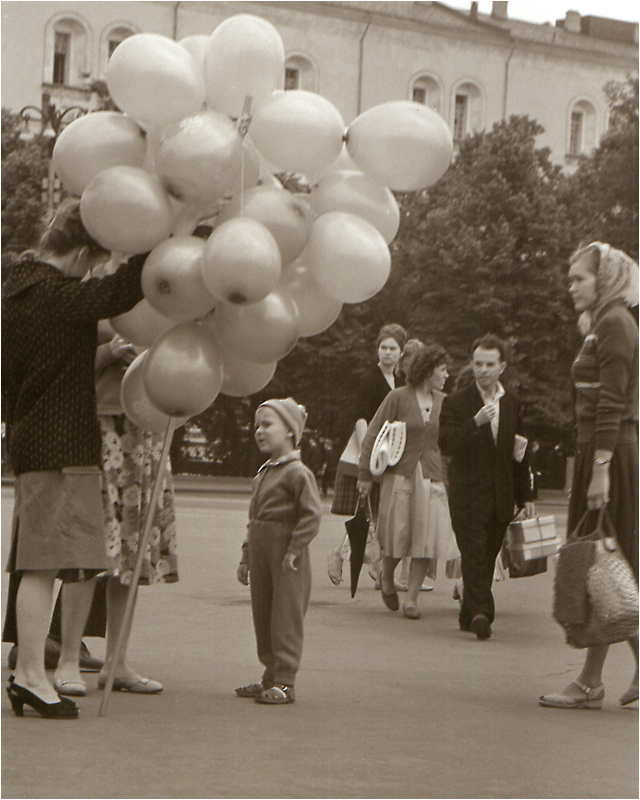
<point x="357" y="531"/>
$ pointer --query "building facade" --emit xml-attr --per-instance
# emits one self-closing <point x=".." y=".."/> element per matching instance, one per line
<point x="475" y="69"/>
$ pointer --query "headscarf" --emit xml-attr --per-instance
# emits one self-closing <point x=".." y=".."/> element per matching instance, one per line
<point x="616" y="280"/>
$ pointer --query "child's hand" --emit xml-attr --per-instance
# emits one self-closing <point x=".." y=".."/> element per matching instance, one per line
<point x="243" y="574"/>
<point x="287" y="563"/>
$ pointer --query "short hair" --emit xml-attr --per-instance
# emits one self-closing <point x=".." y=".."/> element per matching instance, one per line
<point x="424" y="362"/>
<point x="66" y="232"/>
<point x="392" y="331"/>
<point x="491" y="342"/>
<point x="410" y="349"/>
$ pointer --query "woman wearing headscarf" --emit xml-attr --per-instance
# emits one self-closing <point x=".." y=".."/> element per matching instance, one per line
<point x="603" y="283"/>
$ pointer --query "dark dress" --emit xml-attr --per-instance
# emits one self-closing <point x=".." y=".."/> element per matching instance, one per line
<point x="372" y="390"/>
<point x="605" y="378"/>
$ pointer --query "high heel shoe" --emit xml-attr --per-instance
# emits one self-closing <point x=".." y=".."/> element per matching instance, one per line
<point x="19" y="697"/>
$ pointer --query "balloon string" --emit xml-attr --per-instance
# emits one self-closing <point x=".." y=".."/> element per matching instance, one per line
<point x="243" y="127"/>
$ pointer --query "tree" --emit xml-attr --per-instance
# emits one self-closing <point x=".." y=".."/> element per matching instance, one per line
<point x="23" y="166"/>
<point x="485" y="250"/>
<point x="602" y="196"/>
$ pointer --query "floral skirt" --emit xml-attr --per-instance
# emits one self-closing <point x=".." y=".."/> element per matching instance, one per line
<point x="130" y="458"/>
<point x="414" y="520"/>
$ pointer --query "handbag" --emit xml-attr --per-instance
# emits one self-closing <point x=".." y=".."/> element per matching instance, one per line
<point x="345" y="491"/>
<point x="388" y="447"/>
<point x="595" y="591"/>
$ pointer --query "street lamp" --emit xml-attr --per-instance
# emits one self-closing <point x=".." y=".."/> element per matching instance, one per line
<point x="49" y="122"/>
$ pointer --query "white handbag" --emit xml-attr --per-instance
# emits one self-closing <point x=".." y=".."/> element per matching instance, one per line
<point x="388" y="447"/>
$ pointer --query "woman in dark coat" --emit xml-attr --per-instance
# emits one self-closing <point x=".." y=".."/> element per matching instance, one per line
<point x="603" y="283"/>
<point x="49" y="337"/>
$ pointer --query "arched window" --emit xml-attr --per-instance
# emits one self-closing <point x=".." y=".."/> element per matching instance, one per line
<point x="111" y="38"/>
<point x="581" y="128"/>
<point x="67" y="59"/>
<point x="468" y="110"/>
<point x="425" y="89"/>
<point x="300" y="73"/>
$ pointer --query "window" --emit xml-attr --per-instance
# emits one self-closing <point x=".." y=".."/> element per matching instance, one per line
<point x="426" y="90"/>
<point x="300" y="73"/>
<point x="67" y="51"/>
<point x="419" y="95"/>
<point x="582" y="128"/>
<point x="109" y="41"/>
<point x="291" y="78"/>
<point x="575" y="135"/>
<point x="460" y="117"/>
<point x="468" y="110"/>
<point x="61" y="58"/>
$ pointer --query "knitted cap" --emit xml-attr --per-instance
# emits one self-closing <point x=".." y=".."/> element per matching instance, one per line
<point x="294" y="415"/>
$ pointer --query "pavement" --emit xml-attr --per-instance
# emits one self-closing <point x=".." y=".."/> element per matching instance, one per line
<point x="386" y="707"/>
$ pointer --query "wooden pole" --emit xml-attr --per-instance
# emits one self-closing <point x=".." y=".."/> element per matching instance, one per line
<point x="142" y="548"/>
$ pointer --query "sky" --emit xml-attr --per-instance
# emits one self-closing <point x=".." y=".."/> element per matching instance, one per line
<point x="550" y="10"/>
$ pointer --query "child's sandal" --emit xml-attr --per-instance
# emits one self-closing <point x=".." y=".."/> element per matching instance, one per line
<point x="277" y="695"/>
<point x="251" y="690"/>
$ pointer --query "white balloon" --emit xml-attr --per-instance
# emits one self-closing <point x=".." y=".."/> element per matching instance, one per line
<point x="244" y="58"/>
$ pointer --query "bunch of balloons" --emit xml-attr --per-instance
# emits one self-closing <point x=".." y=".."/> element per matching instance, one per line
<point x="203" y="128"/>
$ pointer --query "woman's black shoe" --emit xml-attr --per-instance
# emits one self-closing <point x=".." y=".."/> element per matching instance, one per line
<point x="19" y="697"/>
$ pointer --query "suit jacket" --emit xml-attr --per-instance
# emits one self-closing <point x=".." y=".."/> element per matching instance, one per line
<point x="482" y="472"/>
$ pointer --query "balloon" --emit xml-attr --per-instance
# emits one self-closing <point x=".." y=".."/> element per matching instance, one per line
<point x="198" y="158"/>
<point x="348" y="257"/>
<point x="125" y="209"/>
<point x="136" y="403"/>
<point x="196" y="45"/>
<point x="183" y="371"/>
<point x="298" y="131"/>
<point x="155" y="80"/>
<point x="241" y="261"/>
<point x="94" y="142"/>
<point x="317" y="309"/>
<point x="287" y="217"/>
<point x="142" y="324"/>
<point x="351" y="191"/>
<point x="244" y="57"/>
<point x="244" y="378"/>
<point x="262" y="332"/>
<point x="403" y="145"/>
<point x="250" y="169"/>
<point x="172" y="279"/>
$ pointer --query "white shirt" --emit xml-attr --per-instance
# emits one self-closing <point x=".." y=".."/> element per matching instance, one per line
<point x="493" y="399"/>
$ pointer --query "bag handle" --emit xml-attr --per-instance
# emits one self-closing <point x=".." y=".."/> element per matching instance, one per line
<point x="365" y="502"/>
<point x="604" y="520"/>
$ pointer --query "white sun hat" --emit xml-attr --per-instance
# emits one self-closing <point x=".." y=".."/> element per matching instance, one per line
<point x="388" y="447"/>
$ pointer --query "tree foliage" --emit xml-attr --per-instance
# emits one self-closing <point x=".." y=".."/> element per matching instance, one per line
<point x="603" y="198"/>
<point x="24" y="164"/>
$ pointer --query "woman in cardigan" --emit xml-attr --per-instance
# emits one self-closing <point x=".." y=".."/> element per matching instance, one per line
<point x="413" y="518"/>
<point x="603" y="283"/>
<point x="49" y="337"/>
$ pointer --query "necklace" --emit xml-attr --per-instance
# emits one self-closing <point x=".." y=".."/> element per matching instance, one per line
<point x="425" y="402"/>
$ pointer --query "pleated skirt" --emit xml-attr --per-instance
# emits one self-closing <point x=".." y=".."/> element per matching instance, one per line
<point x="414" y="520"/>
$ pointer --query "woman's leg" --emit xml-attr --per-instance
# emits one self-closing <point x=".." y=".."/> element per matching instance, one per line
<point x="417" y="573"/>
<point x="632" y="691"/>
<point x="33" y="613"/>
<point x="117" y="594"/>
<point x="75" y="606"/>
<point x="387" y="576"/>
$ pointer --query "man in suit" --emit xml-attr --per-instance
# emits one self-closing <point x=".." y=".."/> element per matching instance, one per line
<point x="488" y="476"/>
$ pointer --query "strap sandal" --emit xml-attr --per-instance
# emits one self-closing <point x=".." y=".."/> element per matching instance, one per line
<point x="277" y="695"/>
<point x="251" y="690"/>
<point x="592" y="698"/>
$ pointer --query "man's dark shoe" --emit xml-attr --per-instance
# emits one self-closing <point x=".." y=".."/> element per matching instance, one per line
<point x="52" y="655"/>
<point x="481" y="626"/>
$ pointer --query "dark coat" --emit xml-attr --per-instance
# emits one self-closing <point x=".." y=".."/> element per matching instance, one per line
<point x="49" y="339"/>
<point x="482" y="472"/>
